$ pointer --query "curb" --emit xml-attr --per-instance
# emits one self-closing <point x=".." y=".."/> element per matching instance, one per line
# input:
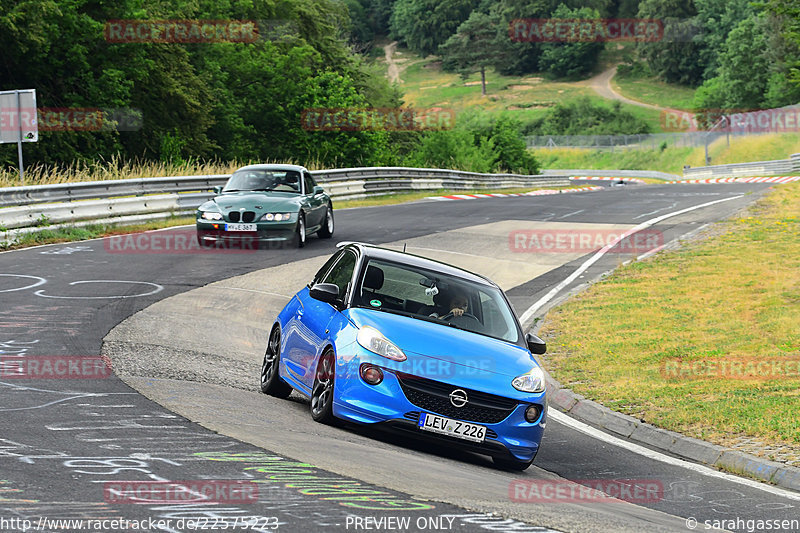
<point x="698" y="451"/>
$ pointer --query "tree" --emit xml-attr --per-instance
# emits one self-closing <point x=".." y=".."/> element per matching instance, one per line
<point x="472" y="48"/>
<point x="677" y="57"/>
<point x="571" y="59"/>
<point x="423" y="25"/>
<point x="510" y="147"/>
<point x="743" y="72"/>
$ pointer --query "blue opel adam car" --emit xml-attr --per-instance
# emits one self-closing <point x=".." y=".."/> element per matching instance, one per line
<point x="414" y="345"/>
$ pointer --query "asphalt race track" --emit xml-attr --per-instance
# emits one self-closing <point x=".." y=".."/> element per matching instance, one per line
<point x="185" y="331"/>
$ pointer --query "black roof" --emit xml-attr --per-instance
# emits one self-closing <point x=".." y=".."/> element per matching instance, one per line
<point x="373" y="251"/>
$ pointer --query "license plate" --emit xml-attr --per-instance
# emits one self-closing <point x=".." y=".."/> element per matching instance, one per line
<point x="240" y="227"/>
<point x="454" y="428"/>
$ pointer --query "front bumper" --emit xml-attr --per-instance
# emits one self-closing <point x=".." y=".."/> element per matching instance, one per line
<point x="386" y="404"/>
<point x="211" y="231"/>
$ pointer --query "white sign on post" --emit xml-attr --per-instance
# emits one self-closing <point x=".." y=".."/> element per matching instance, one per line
<point x="18" y="120"/>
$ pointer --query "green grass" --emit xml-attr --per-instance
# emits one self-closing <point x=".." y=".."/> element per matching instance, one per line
<point x="672" y="159"/>
<point x="734" y="298"/>
<point x="669" y="160"/>
<point x="652" y="91"/>
<point x="426" y="85"/>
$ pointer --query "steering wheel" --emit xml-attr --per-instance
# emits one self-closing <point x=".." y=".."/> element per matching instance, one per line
<point x="465" y="315"/>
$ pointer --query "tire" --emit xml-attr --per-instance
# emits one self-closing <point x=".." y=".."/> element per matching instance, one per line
<point x="299" y="239"/>
<point x="322" y="391"/>
<point x="271" y="382"/>
<point x="508" y="463"/>
<point x="326" y="231"/>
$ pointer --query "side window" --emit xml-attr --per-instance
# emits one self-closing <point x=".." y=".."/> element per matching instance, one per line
<point x="342" y="272"/>
<point x="324" y="269"/>
<point x="310" y="183"/>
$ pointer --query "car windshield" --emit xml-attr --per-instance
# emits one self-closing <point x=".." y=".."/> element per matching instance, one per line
<point x="264" y="180"/>
<point x="436" y="297"/>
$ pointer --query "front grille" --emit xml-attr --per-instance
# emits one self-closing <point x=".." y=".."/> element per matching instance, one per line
<point x="244" y="216"/>
<point x="414" y="415"/>
<point x="434" y="396"/>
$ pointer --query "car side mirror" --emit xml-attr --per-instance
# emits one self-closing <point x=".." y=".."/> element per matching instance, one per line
<point x="535" y="344"/>
<point x="325" y="292"/>
<point x="218" y="189"/>
<point x="318" y="190"/>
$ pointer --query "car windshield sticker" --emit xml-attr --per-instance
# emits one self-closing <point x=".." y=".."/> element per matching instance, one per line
<point x="375" y="303"/>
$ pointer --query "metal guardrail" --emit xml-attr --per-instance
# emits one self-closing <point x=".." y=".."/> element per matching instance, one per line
<point x="613" y="173"/>
<point x="30" y="206"/>
<point x="778" y="166"/>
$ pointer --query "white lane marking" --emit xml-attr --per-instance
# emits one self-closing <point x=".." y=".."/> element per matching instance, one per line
<point x="673" y="204"/>
<point x="36" y="284"/>
<point x="570" y="214"/>
<point x="158" y="288"/>
<point x="658" y="456"/>
<point x="528" y="314"/>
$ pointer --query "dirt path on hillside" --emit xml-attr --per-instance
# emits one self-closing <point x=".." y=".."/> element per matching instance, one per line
<point x="602" y="86"/>
<point x="392" y="70"/>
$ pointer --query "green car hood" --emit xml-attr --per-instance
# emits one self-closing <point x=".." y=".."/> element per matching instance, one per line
<point x="275" y="202"/>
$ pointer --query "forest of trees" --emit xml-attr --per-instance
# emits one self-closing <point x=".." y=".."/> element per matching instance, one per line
<point x="244" y="101"/>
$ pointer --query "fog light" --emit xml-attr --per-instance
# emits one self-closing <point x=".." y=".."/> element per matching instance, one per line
<point x="371" y="374"/>
<point x="532" y="413"/>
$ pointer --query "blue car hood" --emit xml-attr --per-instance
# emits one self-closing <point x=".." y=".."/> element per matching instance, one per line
<point x="423" y="339"/>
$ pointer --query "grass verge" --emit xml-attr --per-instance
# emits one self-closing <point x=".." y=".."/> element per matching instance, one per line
<point x="652" y="91"/>
<point x="650" y="341"/>
<point x="91" y="231"/>
<point x="672" y="159"/>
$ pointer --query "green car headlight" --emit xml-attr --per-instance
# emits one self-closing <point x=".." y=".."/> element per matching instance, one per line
<point x="275" y="217"/>
<point x="374" y="341"/>
<point x="532" y="381"/>
<point x="210" y="215"/>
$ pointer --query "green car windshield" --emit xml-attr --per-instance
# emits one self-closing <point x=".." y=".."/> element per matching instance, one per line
<point x="436" y="297"/>
<point x="264" y="180"/>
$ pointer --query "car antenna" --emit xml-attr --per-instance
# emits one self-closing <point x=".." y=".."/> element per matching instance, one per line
<point x="404" y="247"/>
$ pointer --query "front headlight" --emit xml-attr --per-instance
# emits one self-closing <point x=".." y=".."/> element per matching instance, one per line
<point x="372" y="340"/>
<point x="532" y="381"/>
<point x="275" y="217"/>
<point x="210" y="215"/>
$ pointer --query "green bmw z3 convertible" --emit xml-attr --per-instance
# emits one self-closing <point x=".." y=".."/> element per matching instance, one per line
<point x="263" y="204"/>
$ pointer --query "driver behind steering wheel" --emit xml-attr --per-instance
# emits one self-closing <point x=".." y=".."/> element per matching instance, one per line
<point x="457" y="305"/>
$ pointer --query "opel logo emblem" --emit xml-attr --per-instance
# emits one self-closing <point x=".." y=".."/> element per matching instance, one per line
<point x="458" y="398"/>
